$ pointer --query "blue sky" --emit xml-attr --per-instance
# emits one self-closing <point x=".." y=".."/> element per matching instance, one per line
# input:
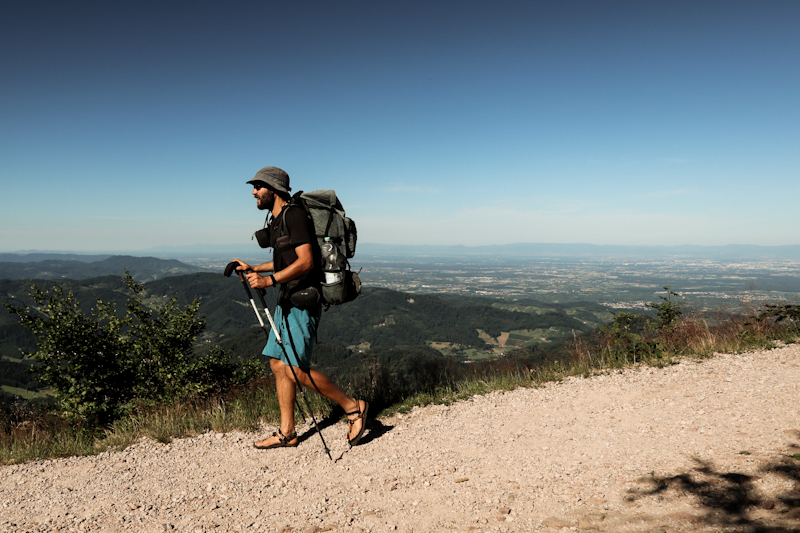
<point x="130" y="125"/>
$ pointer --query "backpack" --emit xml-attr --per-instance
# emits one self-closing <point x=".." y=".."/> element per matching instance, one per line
<point x="328" y="220"/>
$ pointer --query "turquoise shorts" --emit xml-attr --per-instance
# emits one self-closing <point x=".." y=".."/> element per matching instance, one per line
<point x="298" y="329"/>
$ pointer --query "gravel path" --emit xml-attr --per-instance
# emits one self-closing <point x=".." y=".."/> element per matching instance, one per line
<point x="691" y="447"/>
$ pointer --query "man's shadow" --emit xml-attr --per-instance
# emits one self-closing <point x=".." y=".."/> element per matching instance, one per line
<point x="375" y="428"/>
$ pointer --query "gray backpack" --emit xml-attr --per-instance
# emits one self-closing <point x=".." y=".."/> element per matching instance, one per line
<point x="328" y="219"/>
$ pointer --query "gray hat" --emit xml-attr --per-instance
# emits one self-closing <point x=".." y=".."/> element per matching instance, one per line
<point x="272" y="177"/>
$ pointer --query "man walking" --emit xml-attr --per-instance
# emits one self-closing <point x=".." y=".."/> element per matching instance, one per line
<point x="293" y="267"/>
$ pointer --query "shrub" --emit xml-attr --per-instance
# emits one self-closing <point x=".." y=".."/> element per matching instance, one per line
<point x="100" y="365"/>
<point x="623" y="337"/>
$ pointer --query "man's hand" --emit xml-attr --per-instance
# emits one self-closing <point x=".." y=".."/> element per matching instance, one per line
<point x="242" y="265"/>
<point x="259" y="282"/>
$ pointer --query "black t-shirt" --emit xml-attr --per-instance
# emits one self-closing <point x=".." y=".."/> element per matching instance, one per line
<point x="297" y="227"/>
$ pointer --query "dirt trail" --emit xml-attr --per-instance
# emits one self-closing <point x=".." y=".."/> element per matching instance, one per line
<point x="691" y="447"/>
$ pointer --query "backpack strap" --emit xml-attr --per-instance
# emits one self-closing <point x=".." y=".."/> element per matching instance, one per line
<point x="337" y="240"/>
<point x="293" y="202"/>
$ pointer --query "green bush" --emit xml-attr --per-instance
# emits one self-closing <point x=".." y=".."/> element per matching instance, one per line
<point x="667" y="312"/>
<point x="100" y="366"/>
<point x="624" y="336"/>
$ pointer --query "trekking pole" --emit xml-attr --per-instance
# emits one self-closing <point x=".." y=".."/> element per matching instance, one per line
<point x="228" y="270"/>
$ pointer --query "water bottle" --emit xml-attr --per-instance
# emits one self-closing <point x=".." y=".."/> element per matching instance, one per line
<point x="332" y="270"/>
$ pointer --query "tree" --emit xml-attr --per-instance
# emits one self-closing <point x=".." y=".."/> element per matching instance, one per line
<point x="667" y="312"/>
<point x="99" y="365"/>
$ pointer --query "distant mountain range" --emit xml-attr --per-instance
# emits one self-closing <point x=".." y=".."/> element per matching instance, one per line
<point x="550" y="250"/>
<point x="33" y="257"/>
<point x="73" y="266"/>
<point x="555" y="250"/>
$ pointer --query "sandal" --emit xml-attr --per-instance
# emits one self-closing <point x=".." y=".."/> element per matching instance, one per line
<point x="362" y="415"/>
<point x="283" y="441"/>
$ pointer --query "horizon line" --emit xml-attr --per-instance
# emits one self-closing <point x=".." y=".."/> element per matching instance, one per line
<point x="198" y="247"/>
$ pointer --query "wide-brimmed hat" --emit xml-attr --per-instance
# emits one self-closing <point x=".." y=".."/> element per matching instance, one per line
<point x="272" y="177"/>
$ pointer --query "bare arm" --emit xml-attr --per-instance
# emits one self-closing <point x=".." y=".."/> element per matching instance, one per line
<point x="304" y="263"/>
<point x="263" y="267"/>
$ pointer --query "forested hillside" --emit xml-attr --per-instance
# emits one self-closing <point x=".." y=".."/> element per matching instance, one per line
<point x="379" y="322"/>
<point x="387" y="318"/>
<point x="381" y="318"/>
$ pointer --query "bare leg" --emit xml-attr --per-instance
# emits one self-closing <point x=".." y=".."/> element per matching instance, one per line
<point x="323" y="385"/>
<point x="287" y="395"/>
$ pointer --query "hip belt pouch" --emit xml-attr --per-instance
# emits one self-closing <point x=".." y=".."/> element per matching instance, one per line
<point x="304" y="298"/>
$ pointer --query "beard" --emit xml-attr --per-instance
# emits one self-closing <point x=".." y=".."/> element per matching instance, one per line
<point x="266" y="202"/>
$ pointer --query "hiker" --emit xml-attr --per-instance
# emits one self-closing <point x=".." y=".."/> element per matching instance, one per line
<point x="297" y="327"/>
